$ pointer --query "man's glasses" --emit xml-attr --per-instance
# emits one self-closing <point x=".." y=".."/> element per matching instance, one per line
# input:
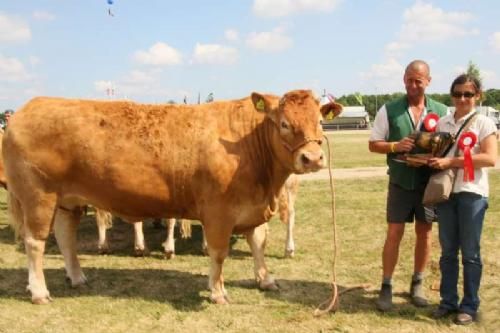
<point x="467" y="94"/>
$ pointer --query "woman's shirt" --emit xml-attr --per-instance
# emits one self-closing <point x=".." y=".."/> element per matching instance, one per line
<point x="482" y="127"/>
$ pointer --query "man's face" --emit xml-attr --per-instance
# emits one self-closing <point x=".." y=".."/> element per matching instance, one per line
<point x="416" y="80"/>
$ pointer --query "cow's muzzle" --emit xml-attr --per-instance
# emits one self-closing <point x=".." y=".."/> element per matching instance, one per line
<point x="310" y="161"/>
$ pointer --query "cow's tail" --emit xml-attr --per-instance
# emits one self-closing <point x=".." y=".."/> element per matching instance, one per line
<point x="186" y="231"/>
<point x="16" y="214"/>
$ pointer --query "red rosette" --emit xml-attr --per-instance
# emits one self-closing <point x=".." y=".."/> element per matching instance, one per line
<point x="465" y="143"/>
<point x="430" y="122"/>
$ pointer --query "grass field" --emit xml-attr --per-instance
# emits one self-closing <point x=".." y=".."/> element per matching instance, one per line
<point x="128" y="294"/>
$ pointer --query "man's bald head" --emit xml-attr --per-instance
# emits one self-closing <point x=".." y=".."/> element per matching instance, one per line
<point x="416" y="79"/>
<point x="418" y="66"/>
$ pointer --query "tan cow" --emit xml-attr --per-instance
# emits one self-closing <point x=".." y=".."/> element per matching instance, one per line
<point x="222" y="163"/>
<point x="3" y="180"/>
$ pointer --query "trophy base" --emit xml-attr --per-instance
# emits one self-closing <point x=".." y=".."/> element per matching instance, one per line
<point x="419" y="159"/>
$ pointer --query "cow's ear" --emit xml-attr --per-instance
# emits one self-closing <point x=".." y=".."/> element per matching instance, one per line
<point x="331" y="110"/>
<point x="261" y="103"/>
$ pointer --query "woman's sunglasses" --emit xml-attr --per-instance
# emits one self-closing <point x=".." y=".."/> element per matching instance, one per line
<point x="467" y="94"/>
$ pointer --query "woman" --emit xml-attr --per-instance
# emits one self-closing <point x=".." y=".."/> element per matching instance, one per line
<point x="461" y="217"/>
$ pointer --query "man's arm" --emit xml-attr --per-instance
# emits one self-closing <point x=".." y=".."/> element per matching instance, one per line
<point x="380" y="132"/>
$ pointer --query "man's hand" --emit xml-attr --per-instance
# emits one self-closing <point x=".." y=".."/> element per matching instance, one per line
<point x="405" y="145"/>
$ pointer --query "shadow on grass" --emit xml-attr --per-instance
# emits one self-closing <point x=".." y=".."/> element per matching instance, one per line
<point x="180" y="289"/>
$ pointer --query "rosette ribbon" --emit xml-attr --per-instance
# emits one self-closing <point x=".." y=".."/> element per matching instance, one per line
<point x="430" y="122"/>
<point x="465" y="143"/>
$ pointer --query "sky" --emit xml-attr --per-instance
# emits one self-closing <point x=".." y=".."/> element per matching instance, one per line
<point x="153" y="51"/>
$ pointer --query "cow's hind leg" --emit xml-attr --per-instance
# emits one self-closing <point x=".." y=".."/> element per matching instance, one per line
<point x="37" y="220"/>
<point x="257" y="241"/>
<point x="140" y="248"/>
<point x="65" y="226"/>
<point x="104" y="221"/>
<point x="169" y="243"/>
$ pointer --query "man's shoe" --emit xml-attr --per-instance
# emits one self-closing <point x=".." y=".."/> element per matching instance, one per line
<point x="441" y="312"/>
<point x="384" y="301"/>
<point x="417" y="294"/>
<point x="464" y="319"/>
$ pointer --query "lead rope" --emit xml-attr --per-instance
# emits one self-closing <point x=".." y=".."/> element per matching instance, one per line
<point x="332" y="303"/>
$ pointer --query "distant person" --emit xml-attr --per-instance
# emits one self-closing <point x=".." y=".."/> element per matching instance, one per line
<point x="7" y="115"/>
<point x="393" y="123"/>
<point x="461" y="217"/>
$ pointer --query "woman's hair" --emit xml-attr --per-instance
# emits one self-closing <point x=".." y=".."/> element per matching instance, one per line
<point x="464" y="78"/>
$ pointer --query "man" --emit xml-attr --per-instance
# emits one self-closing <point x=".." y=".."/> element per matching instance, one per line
<point x="390" y="135"/>
<point x="7" y="115"/>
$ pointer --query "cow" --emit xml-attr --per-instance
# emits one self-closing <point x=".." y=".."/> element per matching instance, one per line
<point x="286" y="209"/>
<point x="222" y="163"/>
<point x="104" y="221"/>
<point x="3" y="180"/>
<point x="286" y="204"/>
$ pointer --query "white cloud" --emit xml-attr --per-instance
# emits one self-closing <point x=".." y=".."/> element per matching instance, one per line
<point x="231" y="35"/>
<point x="270" y="41"/>
<point x="103" y="86"/>
<point x="43" y="15"/>
<point x="384" y="77"/>
<point x="136" y="76"/>
<point x="424" y="22"/>
<point x="13" y="29"/>
<point x="279" y="8"/>
<point x="395" y="49"/>
<point x="12" y="69"/>
<point x="214" y="54"/>
<point x="495" y="41"/>
<point x="34" y="61"/>
<point x="160" y="54"/>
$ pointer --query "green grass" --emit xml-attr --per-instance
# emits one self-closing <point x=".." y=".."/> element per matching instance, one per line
<point x="128" y="294"/>
<point x="349" y="149"/>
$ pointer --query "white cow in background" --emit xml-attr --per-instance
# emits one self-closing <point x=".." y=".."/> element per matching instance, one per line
<point x="286" y="206"/>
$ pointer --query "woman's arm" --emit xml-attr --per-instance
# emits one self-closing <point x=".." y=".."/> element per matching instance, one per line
<point x="487" y="156"/>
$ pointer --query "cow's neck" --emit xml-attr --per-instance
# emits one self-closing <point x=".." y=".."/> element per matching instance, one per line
<point x="276" y="172"/>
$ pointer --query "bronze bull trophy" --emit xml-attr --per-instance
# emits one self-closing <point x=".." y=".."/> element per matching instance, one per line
<point x="433" y="144"/>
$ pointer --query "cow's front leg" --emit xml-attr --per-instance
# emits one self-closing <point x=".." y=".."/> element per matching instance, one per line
<point x="257" y="241"/>
<point x="218" y="249"/>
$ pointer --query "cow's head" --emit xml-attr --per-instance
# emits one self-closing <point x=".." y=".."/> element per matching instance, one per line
<point x="297" y="118"/>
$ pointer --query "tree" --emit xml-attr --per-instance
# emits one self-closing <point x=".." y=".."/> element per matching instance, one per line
<point x="473" y="70"/>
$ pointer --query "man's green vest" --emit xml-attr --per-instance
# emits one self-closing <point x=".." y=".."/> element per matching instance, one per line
<point x="400" y="126"/>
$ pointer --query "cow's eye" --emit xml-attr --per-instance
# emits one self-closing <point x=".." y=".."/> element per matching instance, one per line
<point x="284" y="125"/>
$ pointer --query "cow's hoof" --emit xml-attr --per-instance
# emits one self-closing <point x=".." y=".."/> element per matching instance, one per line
<point x="269" y="286"/>
<point x="77" y="283"/>
<point x="289" y="253"/>
<point x="220" y="300"/>
<point x="169" y="254"/>
<point x="41" y="300"/>
<point x="141" y="252"/>
<point x="103" y="250"/>
<point x="205" y="251"/>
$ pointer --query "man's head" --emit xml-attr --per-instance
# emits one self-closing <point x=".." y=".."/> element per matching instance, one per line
<point x="416" y="79"/>
<point x="7" y="115"/>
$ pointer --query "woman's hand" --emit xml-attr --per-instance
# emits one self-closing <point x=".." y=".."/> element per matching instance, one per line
<point x="440" y="163"/>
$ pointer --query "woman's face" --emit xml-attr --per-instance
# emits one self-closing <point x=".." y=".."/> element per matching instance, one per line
<point x="464" y="97"/>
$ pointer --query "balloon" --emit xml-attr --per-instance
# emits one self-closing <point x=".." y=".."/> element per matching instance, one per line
<point x="110" y="2"/>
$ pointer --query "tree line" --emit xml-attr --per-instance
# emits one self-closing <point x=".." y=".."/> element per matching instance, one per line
<point x="372" y="103"/>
